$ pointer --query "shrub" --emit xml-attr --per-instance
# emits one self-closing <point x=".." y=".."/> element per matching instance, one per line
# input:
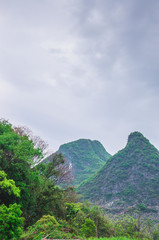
<point x="48" y="226"/>
<point x="88" y="228"/>
<point x="47" y="219"/>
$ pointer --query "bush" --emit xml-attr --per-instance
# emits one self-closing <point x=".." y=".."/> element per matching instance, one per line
<point x="48" y="226"/>
<point x="88" y="228"/>
<point x="47" y="219"/>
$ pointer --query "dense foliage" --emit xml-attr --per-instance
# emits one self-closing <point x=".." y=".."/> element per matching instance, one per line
<point x="33" y="207"/>
<point x="10" y="215"/>
<point x="10" y="221"/>
<point x="25" y="183"/>
<point x="88" y="228"/>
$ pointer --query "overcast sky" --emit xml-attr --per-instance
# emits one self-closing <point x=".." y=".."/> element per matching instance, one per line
<point x="73" y="69"/>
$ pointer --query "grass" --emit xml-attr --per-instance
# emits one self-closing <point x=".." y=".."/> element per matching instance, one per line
<point x="115" y="238"/>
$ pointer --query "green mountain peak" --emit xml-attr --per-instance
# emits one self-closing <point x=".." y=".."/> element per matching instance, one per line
<point x="137" y="138"/>
<point x="86" y="157"/>
<point x="129" y="177"/>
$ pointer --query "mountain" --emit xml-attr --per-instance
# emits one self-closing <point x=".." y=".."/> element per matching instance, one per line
<point x="130" y="177"/>
<point x="85" y="157"/>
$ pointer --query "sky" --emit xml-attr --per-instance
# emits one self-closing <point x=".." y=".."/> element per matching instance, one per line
<point x="73" y="69"/>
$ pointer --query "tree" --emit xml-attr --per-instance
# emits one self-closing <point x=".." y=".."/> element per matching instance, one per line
<point x="17" y="155"/>
<point x="127" y="226"/>
<point x="38" y="142"/>
<point x="88" y="228"/>
<point x="104" y="227"/>
<point x="20" y="154"/>
<point x="10" y="221"/>
<point x="8" y="190"/>
<point x="72" y="209"/>
<point x="57" y="168"/>
<point x="10" y="217"/>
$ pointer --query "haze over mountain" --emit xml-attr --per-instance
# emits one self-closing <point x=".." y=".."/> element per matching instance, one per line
<point x="130" y="177"/>
<point x="85" y="156"/>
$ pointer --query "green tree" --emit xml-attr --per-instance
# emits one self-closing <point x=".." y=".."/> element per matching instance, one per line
<point x="104" y="226"/>
<point x="8" y="190"/>
<point x="49" y="199"/>
<point x="10" y="222"/>
<point x="20" y="154"/>
<point x="72" y="210"/>
<point x="127" y="226"/>
<point x="10" y="216"/>
<point x="17" y="154"/>
<point x="88" y="228"/>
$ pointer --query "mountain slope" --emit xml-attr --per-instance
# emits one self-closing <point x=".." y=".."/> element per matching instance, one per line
<point x="86" y="157"/>
<point x="129" y="177"/>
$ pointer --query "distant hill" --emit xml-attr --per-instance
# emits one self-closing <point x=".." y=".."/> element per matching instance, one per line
<point x="86" y="157"/>
<point x="130" y="177"/>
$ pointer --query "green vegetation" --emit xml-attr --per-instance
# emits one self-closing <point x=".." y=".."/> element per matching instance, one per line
<point x="10" y="216"/>
<point x="25" y="184"/>
<point x="116" y="238"/>
<point x="130" y="176"/>
<point x="10" y="221"/>
<point x="88" y="228"/>
<point x="47" y="226"/>
<point x="8" y="189"/>
<point x="33" y="207"/>
<point x="86" y="157"/>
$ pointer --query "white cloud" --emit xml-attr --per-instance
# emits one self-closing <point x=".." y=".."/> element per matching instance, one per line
<point x="74" y="69"/>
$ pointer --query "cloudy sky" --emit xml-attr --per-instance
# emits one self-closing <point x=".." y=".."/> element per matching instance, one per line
<point x="73" y="69"/>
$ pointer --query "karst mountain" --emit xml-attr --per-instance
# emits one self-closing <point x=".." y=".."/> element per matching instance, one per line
<point x="130" y="177"/>
<point x="85" y="156"/>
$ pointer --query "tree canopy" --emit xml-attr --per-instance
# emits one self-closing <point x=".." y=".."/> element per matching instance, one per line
<point x="19" y="154"/>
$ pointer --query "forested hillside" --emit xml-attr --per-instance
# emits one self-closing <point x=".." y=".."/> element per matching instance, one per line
<point x="33" y="207"/>
<point x="86" y="157"/>
<point x="129" y="177"/>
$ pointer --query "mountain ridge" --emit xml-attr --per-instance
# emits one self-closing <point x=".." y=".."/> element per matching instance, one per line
<point x="129" y="177"/>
